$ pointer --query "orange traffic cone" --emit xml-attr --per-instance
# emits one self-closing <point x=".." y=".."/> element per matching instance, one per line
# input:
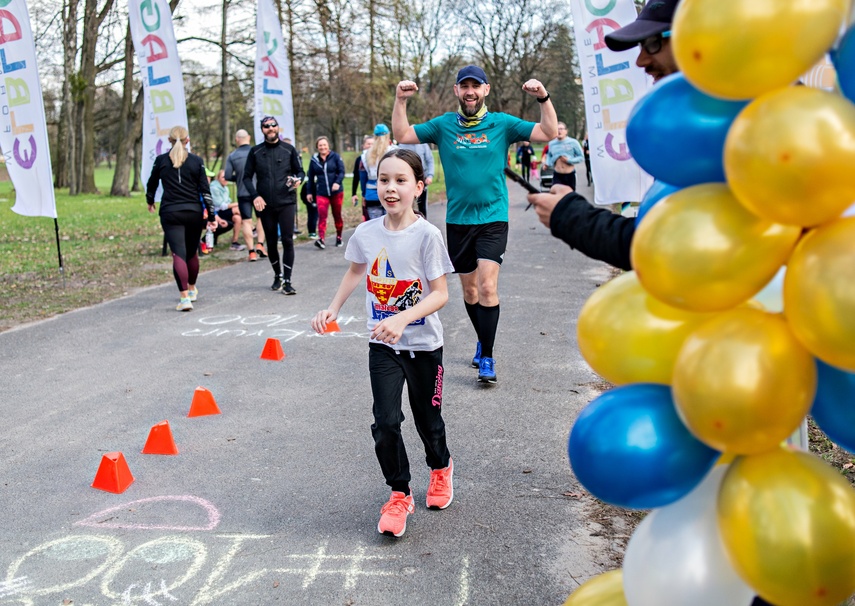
<point x="332" y="327"/>
<point x="160" y="440"/>
<point x="272" y="350"/>
<point x="203" y="403"/>
<point x="113" y="475"/>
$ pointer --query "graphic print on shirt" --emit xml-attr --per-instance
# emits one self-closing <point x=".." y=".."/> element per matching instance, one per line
<point x="471" y="141"/>
<point x="392" y="295"/>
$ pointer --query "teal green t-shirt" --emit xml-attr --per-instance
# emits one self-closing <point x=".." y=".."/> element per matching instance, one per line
<point x="474" y="160"/>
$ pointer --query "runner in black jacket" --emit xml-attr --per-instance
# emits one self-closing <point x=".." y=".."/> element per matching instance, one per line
<point x="278" y="170"/>
<point x="185" y="190"/>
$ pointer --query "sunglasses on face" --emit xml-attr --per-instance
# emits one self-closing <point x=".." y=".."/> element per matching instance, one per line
<point x="269" y="125"/>
<point x="653" y="44"/>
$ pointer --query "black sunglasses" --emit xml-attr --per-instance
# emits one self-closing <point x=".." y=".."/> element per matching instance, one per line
<point x="653" y="44"/>
<point x="269" y="125"/>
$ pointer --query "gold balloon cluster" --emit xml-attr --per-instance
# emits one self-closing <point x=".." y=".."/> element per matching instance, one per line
<point x="743" y="378"/>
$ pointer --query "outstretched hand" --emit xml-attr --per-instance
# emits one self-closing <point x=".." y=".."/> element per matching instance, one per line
<point x="544" y="204"/>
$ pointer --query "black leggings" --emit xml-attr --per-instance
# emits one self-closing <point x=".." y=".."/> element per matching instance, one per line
<point x="281" y="218"/>
<point x="422" y="371"/>
<point x="183" y="229"/>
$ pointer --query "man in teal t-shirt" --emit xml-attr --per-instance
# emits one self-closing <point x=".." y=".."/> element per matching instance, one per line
<point x="473" y="148"/>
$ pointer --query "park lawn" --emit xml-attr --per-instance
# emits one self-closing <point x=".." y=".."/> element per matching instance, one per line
<point x="110" y="246"/>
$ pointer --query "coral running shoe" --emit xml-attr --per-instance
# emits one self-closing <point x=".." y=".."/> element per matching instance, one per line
<point x="393" y="515"/>
<point x="441" y="489"/>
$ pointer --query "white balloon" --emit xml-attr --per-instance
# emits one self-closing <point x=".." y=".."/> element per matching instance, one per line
<point x="771" y="297"/>
<point x="676" y="557"/>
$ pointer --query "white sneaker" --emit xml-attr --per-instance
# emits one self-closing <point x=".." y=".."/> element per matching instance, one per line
<point x="184" y="305"/>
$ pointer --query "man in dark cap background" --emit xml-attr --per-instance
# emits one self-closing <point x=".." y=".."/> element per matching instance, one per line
<point x="473" y="147"/>
<point x="596" y="231"/>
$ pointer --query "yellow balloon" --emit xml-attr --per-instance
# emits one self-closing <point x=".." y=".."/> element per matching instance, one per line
<point x="789" y="155"/>
<point x="742" y="382"/>
<point x="603" y="590"/>
<point x="788" y="524"/>
<point x="819" y="293"/>
<point x="628" y="336"/>
<point x="739" y="49"/>
<point x="700" y="250"/>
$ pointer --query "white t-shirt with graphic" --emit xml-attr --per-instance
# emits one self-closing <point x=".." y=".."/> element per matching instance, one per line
<point x="401" y="265"/>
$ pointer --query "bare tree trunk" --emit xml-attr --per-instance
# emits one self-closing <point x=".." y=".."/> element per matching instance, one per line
<point x="127" y="121"/>
<point x="92" y="20"/>
<point x="66" y="160"/>
<point x="137" y="163"/>
<point x="224" y="88"/>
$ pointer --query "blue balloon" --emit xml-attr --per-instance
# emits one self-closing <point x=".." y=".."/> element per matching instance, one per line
<point x="629" y="448"/>
<point x="844" y="63"/>
<point x="834" y="406"/>
<point x="656" y="192"/>
<point x="676" y="133"/>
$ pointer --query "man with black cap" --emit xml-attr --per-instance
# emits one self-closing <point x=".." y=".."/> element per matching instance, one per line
<point x="278" y="169"/>
<point x="473" y="147"/>
<point x="595" y="231"/>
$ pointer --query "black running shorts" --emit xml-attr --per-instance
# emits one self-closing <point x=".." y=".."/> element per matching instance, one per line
<point x="468" y="244"/>
<point x="245" y="205"/>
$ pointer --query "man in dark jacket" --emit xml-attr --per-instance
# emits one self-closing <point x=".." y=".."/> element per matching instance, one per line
<point x="278" y="170"/>
<point x="595" y="231"/>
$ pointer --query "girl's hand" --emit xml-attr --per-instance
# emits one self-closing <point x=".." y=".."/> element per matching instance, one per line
<point x="212" y="225"/>
<point x="222" y="222"/>
<point x="319" y="322"/>
<point x="389" y="331"/>
<point x="355" y="200"/>
<point x="335" y="187"/>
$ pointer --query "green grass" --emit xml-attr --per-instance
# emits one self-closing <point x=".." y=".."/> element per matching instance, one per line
<point x="110" y="245"/>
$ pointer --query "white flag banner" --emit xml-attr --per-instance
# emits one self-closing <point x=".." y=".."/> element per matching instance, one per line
<point x="613" y="84"/>
<point x="272" y="74"/>
<point x="163" y="83"/>
<point x="23" y="129"/>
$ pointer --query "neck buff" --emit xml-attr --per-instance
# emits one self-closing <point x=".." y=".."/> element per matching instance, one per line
<point x="467" y="122"/>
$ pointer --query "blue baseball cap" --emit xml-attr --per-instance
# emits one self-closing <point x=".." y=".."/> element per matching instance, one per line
<point x="472" y="71"/>
<point x="380" y="130"/>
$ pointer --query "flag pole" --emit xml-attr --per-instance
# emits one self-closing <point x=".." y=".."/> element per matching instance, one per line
<point x="59" y="251"/>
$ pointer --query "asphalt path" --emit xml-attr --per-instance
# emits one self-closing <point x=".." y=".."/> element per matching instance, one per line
<point x="276" y="499"/>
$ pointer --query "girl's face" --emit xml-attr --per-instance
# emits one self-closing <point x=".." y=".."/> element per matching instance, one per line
<point x="323" y="147"/>
<point x="397" y="187"/>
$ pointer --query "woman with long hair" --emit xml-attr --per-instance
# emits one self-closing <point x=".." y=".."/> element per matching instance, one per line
<point x="370" y="160"/>
<point x="184" y="207"/>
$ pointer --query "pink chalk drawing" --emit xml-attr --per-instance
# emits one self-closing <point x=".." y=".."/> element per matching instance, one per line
<point x="97" y="520"/>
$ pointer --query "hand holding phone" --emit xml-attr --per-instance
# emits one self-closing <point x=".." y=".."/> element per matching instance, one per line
<point x="532" y="189"/>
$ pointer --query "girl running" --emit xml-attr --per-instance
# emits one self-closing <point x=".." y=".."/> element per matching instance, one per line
<point x="406" y="262"/>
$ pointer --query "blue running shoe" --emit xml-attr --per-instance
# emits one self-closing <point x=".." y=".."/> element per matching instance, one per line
<point x="487" y="371"/>
<point x="476" y="361"/>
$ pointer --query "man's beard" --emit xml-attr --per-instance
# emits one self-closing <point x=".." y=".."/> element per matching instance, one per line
<point x="470" y="113"/>
<point x="272" y="137"/>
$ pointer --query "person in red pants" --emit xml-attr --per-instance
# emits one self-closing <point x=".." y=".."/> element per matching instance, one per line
<point x="326" y="174"/>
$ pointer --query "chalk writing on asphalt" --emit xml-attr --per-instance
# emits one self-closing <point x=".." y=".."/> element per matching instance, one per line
<point x="179" y="569"/>
<point x="282" y="327"/>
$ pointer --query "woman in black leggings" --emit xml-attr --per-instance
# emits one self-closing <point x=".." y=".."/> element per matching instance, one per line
<point x="185" y="204"/>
